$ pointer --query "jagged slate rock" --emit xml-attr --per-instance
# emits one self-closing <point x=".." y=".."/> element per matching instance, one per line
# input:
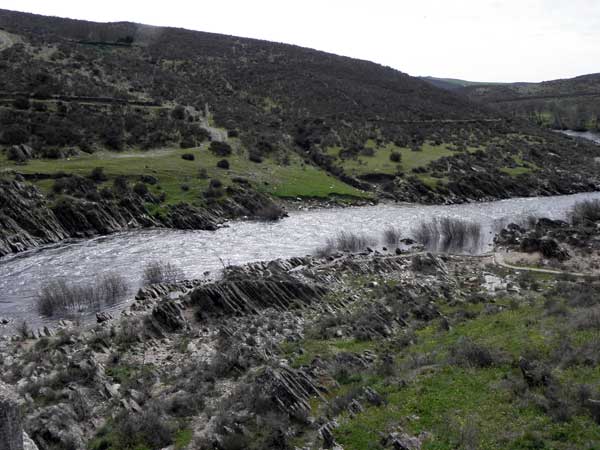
<point x="401" y="441"/>
<point x="11" y="431"/>
<point x="326" y="433"/>
<point x="28" y="443"/>
<point x="170" y="315"/>
<point x="102" y="317"/>
<point x="246" y="295"/>
<point x="429" y="264"/>
<point x="355" y="407"/>
<point x="186" y="217"/>
<point x="289" y="389"/>
<point x="24" y="223"/>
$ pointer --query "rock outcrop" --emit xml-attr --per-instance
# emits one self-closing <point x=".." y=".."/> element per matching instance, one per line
<point x="241" y="294"/>
<point x="11" y="428"/>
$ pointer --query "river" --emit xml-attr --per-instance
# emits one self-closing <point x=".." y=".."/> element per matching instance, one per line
<point x="588" y="135"/>
<point x="199" y="252"/>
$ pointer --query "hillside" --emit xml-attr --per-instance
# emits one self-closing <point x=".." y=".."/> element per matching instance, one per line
<point x="452" y="84"/>
<point x="563" y="104"/>
<point x="156" y="125"/>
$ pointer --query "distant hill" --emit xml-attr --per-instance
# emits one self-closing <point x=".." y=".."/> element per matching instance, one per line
<point x="566" y="103"/>
<point x="453" y="84"/>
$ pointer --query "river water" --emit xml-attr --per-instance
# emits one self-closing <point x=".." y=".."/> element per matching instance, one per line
<point x="588" y="135"/>
<point x="198" y="252"/>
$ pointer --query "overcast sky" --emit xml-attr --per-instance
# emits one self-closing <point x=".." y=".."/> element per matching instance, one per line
<point x="480" y="40"/>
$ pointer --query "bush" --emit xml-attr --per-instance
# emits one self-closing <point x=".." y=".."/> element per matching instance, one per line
<point x="120" y="183"/>
<point x="467" y="353"/>
<point x="220" y="148"/>
<point x="97" y="174"/>
<point x="21" y="103"/>
<point x="586" y="212"/>
<point x="448" y="234"/>
<point x="395" y="157"/>
<point x="161" y="272"/>
<point x="147" y="429"/>
<point x="59" y="296"/>
<point x="140" y="189"/>
<point x="188" y="156"/>
<point x="255" y="156"/>
<point x="15" y="135"/>
<point x="223" y="164"/>
<point x="391" y="237"/>
<point x="346" y="242"/>
<point x="178" y="113"/>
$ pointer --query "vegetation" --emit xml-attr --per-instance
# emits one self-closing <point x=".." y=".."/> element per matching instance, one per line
<point x="448" y="234"/>
<point x="59" y="296"/>
<point x="586" y="212"/>
<point x="161" y="272"/>
<point x="346" y="241"/>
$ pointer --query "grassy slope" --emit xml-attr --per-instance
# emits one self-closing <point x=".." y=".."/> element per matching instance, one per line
<point x="454" y="402"/>
<point x="294" y="180"/>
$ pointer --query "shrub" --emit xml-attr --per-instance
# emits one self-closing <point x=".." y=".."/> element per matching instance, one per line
<point x="448" y="234"/>
<point x="223" y="164"/>
<point x="188" y="141"/>
<point x="346" y="242"/>
<point x="585" y="212"/>
<point x="97" y="174"/>
<point x="178" y="113"/>
<point x="21" y="103"/>
<point x="391" y="237"/>
<point x="395" y="157"/>
<point x="161" y="272"/>
<point x="140" y="189"/>
<point x="147" y="429"/>
<point x="120" y="183"/>
<point x="188" y="156"/>
<point x="255" y="156"/>
<point x="220" y="148"/>
<point x="59" y="296"/>
<point x="469" y="354"/>
<point x="15" y="135"/>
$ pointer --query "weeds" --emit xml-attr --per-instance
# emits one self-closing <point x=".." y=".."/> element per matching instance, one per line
<point x="392" y="236"/>
<point x="585" y="212"/>
<point x="59" y="296"/>
<point x="448" y="234"/>
<point x="161" y="272"/>
<point x="346" y="242"/>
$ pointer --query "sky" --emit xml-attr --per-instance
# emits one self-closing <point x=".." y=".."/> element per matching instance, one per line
<point x="478" y="40"/>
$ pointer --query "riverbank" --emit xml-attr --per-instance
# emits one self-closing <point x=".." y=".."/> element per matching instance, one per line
<point x="364" y="350"/>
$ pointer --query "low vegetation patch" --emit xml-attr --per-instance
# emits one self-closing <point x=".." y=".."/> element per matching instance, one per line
<point x="60" y="296"/>
<point x="448" y="234"/>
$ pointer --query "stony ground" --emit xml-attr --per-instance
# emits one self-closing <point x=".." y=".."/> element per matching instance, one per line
<point x="356" y="351"/>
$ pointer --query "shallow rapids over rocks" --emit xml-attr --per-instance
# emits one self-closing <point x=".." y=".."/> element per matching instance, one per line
<point x="203" y="254"/>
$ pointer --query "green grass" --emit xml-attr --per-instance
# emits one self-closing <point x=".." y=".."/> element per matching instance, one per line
<point x="451" y="402"/>
<point x="293" y="180"/>
<point x="380" y="162"/>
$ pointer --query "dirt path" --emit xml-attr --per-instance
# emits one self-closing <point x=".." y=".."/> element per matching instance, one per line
<point x="499" y="261"/>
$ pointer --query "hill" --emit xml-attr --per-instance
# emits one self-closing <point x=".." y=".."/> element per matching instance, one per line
<point x="452" y="84"/>
<point x="154" y="125"/>
<point x="562" y="104"/>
